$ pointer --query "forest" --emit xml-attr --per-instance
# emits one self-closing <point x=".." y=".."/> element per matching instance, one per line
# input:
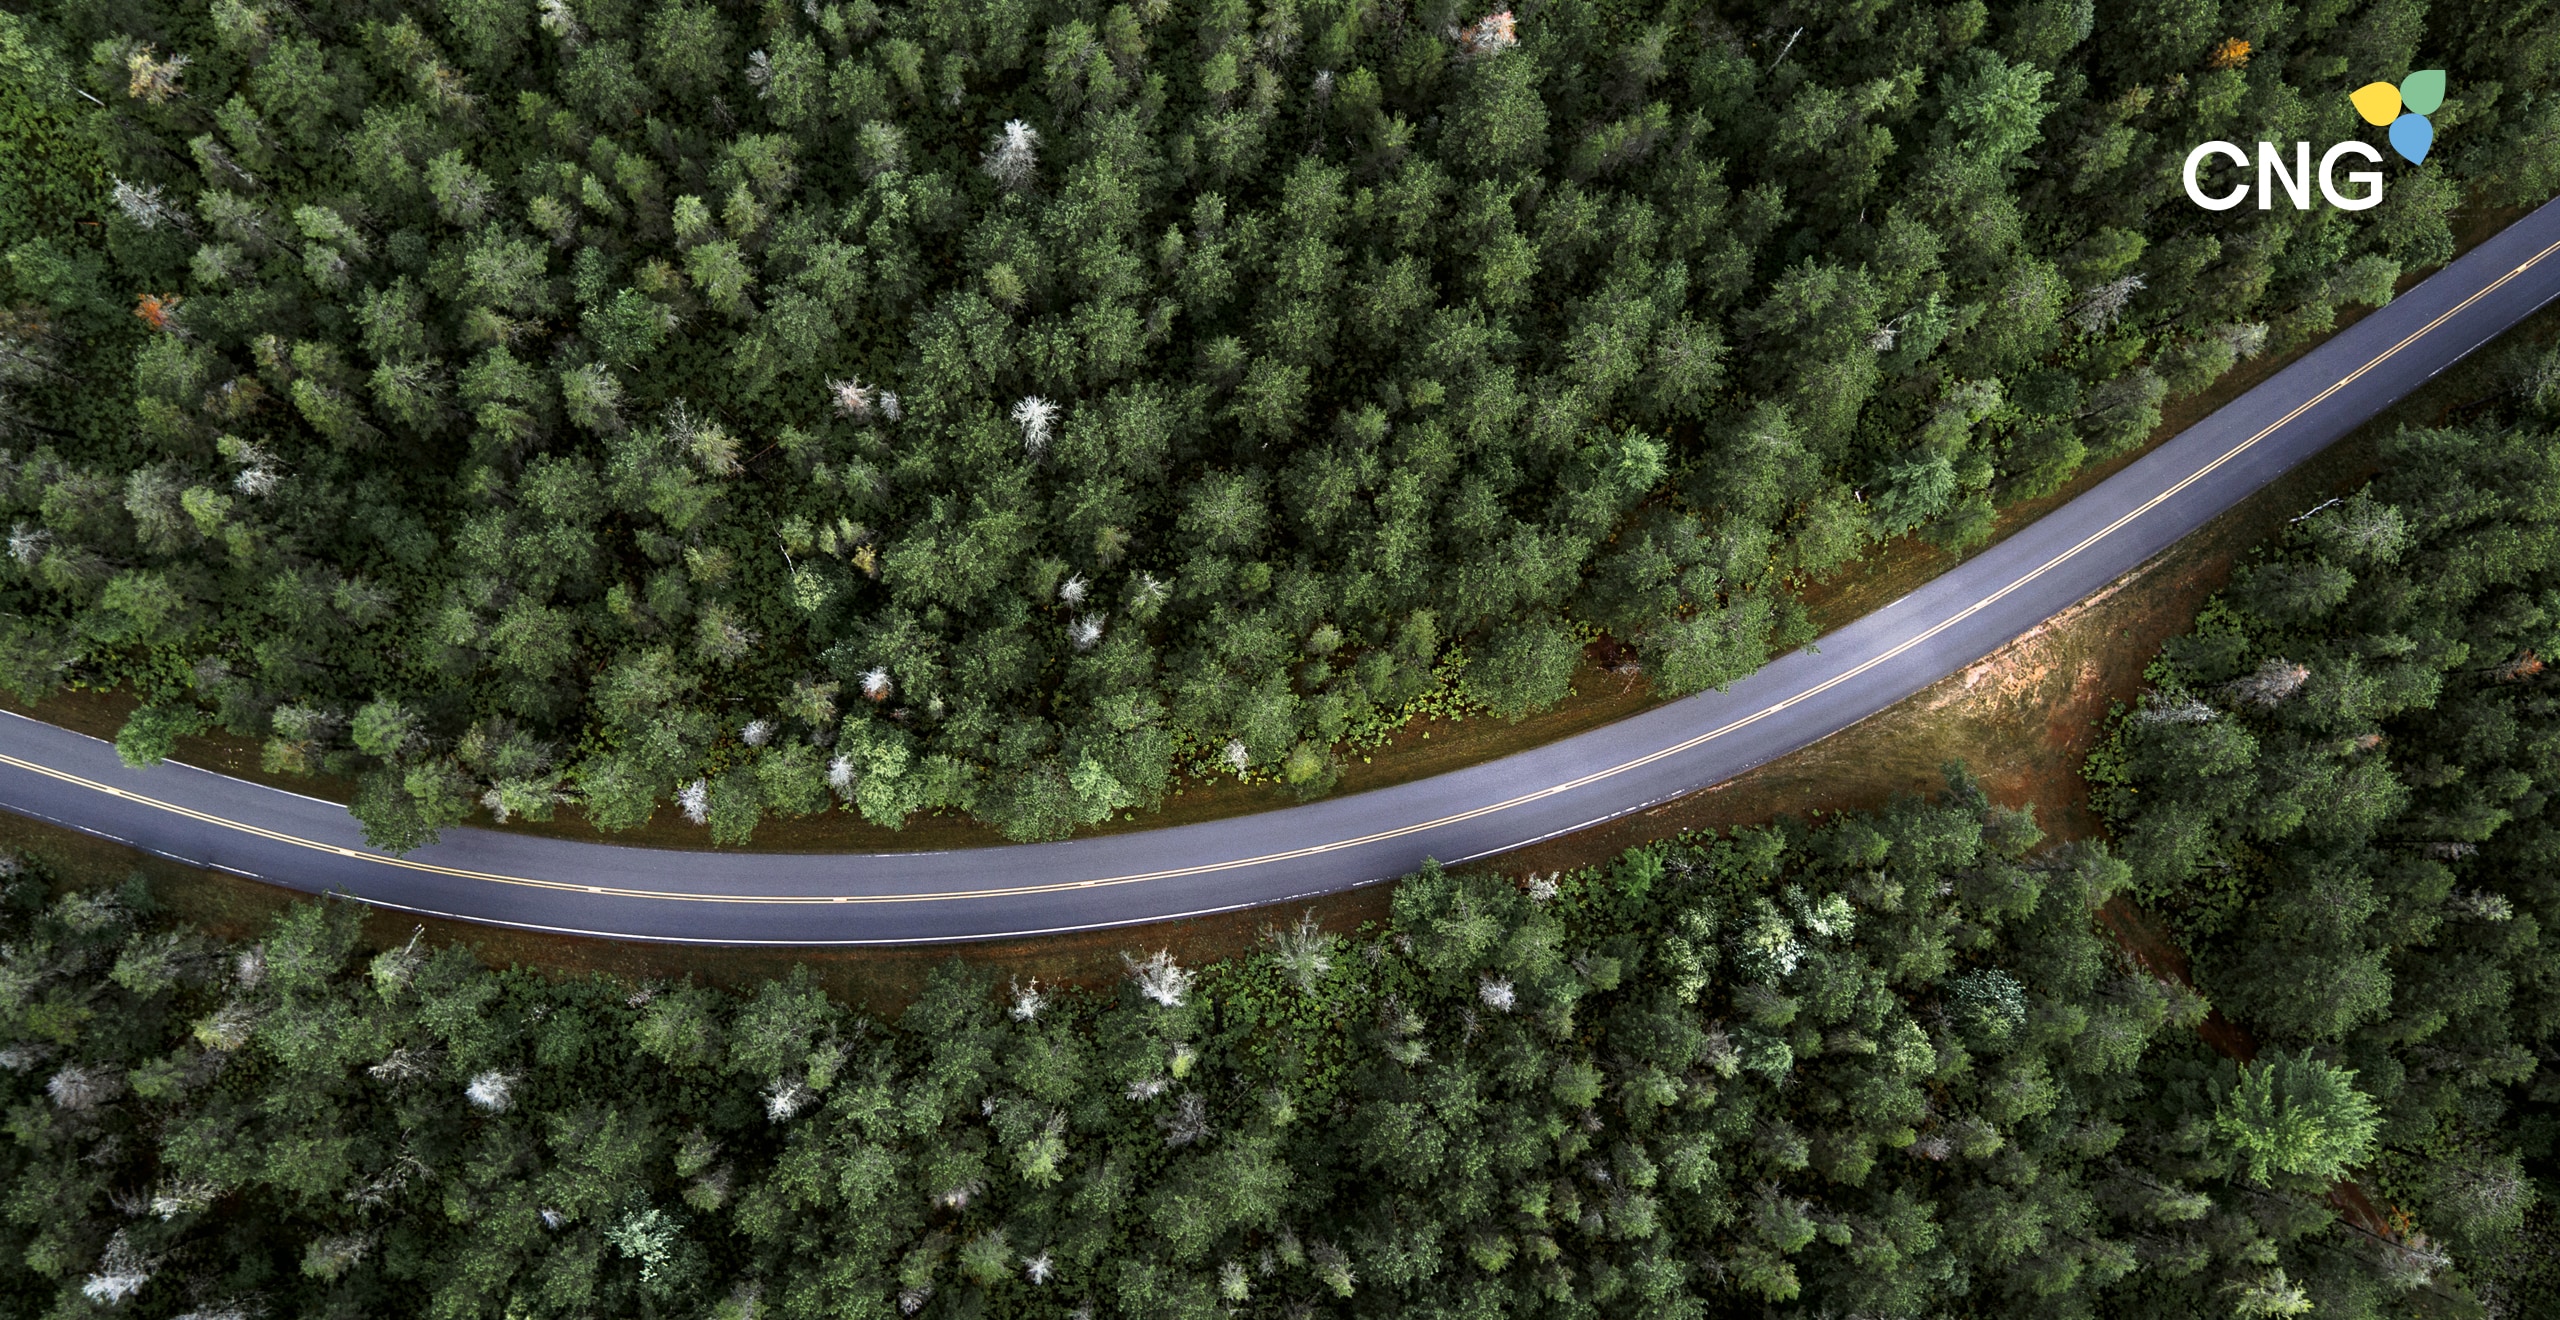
<point x="1869" y="1063"/>
<point x="1011" y="407"/>
<point x="2340" y="793"/>
<point x="1878" y="1065"/>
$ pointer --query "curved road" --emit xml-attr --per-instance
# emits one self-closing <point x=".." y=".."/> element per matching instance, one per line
<point x="206" y="819"/>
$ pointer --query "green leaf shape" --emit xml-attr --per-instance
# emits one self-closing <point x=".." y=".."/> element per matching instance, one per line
<point x="2423" y="91"/>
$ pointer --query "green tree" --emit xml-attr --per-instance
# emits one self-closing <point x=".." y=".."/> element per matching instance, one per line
<point x="151" y="733"/>
<point x="1994" y="108"/>
<point x="1498" y="124"/>
<point x="1528" y="665"/>
<point x="688" y="48"/>
<point x="2299" y="1116"/>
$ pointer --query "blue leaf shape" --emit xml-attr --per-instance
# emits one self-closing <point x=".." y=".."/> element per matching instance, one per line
<point x="2411" y="135"/>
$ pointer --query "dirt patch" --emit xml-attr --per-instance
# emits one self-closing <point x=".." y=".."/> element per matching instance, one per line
<point x="2024" y="717"/>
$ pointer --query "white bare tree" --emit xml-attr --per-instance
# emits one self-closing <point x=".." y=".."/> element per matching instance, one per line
<point x="394" y="969"/>
<point x="561" y="21"/>
<point x="784" y="1098"/>
<point x="1160" y="978"/>
<point x="78" y="1088"/>
<point x="184" y="1197"/>
<point x="2413" y="1262"/>
<point x="228" y="1028"/>
<point x="1028" y="1001"/>
<point x="1189" y="1121"/>
<point x="1304" y="950"/>
<point x="2481" y="905"/>
<point x="145" y="207"/>
<point x="402" y="1064"/>
<point x="852" y="398"/>
<point x="331" y="1257"/>
<point x="260" y="470"/>
<point x="1489" y="35"/>
<point x="1013" y="160"/>
<point x="720" y="638"/>
<point x="2247" y="338"/>
<point x="122" y="1271"/>
<point x="492" y="1090"/>
<point x="880" y="148"/>
<point x="2104" y="305"/>
<point x="1333" y="1269"/>
<point x="1035" y="415"/>
<point x="2276" y="679"/>
<point x="2173" y="707"/>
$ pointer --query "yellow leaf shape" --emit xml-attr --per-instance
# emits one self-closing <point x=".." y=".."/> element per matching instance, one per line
<point x="2378" y="102"/>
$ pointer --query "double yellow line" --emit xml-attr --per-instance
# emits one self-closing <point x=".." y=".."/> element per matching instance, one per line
<point x="1320" y="849"/>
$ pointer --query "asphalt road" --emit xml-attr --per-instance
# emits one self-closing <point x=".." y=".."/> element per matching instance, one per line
<point x="210" y="820"/>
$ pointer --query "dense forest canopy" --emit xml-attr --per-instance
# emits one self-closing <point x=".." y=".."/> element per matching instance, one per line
<point x="1882" y="1066"/>
<point x="1870" y="1064"/>
<point x="2344" y="793"/>
<point x="1007" y="406"/>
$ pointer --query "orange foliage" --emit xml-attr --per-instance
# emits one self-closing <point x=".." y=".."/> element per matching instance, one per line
<point x="156" y="308"/>
<point x="2231" y="54"/>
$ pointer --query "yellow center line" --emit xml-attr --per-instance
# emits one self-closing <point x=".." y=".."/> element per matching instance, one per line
<point x="1381" y="836"/>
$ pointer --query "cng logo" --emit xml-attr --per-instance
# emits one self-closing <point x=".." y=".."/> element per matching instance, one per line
<point x="2403" y="110"/>
<point x="2418" y="95"/>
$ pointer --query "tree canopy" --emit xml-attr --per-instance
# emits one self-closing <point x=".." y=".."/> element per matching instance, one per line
<point x="1001" y="407"/>
<point x="1878" y="1064"/>
<point x="2338" y="794"/>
